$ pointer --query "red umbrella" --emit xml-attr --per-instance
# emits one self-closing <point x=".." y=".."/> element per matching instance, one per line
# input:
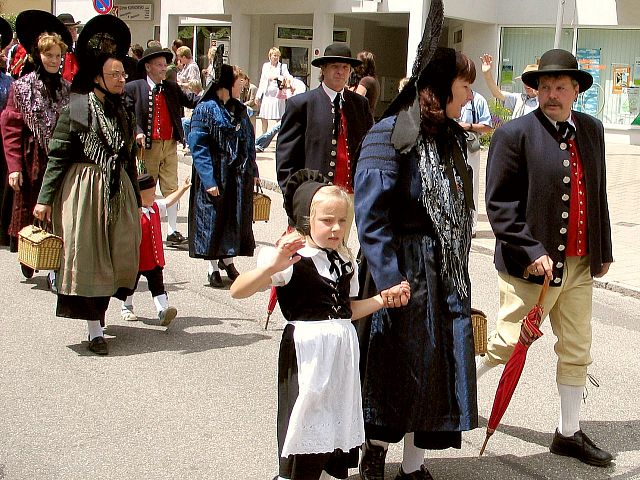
<point x="273" y="294"/>
<point x="529" y="333"/>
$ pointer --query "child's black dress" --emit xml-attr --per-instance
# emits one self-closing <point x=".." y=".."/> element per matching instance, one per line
<point x="320" y="424"/>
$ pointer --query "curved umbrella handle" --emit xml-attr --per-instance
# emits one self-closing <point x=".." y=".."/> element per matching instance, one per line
<point x="543" y="292"/>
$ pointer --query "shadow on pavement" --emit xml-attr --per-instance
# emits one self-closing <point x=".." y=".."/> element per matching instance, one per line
<point x="125" y="340"/>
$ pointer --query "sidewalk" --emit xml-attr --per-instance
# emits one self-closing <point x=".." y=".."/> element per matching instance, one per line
<point x="623" y="179"/>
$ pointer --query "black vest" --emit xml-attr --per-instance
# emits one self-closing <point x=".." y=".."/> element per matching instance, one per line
<point x="310" y="296"/>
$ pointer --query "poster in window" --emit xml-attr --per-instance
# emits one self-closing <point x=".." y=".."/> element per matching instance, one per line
<point x="589" y="61"/>
<point x="621" y="76"/>
<point x="636" y="72"/>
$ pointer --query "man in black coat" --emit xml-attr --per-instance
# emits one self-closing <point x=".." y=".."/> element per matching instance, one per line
<point x="547" y="204"/>
<point x="158" y="104"/>
<point x="322" y="129"/>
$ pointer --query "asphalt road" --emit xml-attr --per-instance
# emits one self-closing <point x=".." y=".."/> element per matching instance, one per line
<point x="198" y="400"/>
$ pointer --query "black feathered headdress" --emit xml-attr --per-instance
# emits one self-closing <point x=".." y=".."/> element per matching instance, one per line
<point x="222" y="75"/>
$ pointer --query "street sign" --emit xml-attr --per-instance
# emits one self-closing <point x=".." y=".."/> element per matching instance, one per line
<point x="103" y="6"/>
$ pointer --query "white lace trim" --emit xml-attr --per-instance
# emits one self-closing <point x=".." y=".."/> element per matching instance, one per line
<point x="327" y="414"/>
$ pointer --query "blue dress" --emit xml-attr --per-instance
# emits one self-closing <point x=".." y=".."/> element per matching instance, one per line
<point x="223" y="150"/>
<point x="419" y="368"/>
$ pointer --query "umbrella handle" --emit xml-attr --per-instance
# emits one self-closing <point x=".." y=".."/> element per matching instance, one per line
<point x="486" y="439"/>
<point x="543" y="292"/>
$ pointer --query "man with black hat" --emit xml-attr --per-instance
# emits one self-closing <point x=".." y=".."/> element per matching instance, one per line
<point x="158" y="105"/>
<point x="547" y="204"/>
<point x="322" y="128"/>
<point x="69" y="66"/>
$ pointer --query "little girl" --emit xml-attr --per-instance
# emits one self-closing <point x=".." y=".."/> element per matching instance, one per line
<point x="320" y="423"/>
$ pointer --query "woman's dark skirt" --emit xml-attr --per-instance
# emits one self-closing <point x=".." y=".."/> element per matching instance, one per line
<point x="419" y="372"/>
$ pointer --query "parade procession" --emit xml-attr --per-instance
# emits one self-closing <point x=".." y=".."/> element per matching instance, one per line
<point x="415" y="266"/>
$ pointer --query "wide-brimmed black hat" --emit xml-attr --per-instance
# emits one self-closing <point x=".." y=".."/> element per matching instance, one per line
<point x="298" y="193"/>
<point x="153" y="52"/>
<point x="68" y="20"/>
<point x="6" y="34"/>
<point x="30" y="24"/>
<point x="336" y="53"/>
<point x="103" y="36"/>
<point x="558" y="62"/>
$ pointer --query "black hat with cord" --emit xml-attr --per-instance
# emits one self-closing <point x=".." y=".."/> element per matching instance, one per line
<point x="30" y="24"/>
<point x="298" y="193"/>
<point x="6" y="33"/>
<point x="151" y="53"/>
<point x="68" y="20"/>
<point x="336" y="53"/>
<point x="558" y="62"/>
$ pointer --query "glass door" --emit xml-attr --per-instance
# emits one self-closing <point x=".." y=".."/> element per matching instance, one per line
<point x="297" y="60"/>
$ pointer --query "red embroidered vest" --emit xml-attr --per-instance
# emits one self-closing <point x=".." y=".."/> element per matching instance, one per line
<point x="577" y="229"/>
<point x="151" y="252"/>
<point x="343" y="162"/>
<point x="162" y="128"/>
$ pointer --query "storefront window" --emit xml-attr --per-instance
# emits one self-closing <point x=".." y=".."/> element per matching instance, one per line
<point x="522" y="46"/>
<point x="612" y="56"/>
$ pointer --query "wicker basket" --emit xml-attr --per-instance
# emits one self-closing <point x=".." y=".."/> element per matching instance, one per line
<point x="479" y="323"/>
<point x="38" y="248"/>
<point x="261" y="205"/>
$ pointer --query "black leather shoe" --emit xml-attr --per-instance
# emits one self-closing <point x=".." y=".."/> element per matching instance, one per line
<point x="215" y="280"/>
<point x="176" y="238"/>
<point x="99" y="346"/>
<point x="372" y="462"/>
<point x="422" y="474"/>
<point x="26" y="271"/>
<point x="230" y="269"/>
<point x="581" y="447"/>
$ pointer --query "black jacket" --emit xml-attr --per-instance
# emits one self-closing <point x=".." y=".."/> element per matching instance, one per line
<point x="529" y="189"/>
<point x="139" y="94"/>
<point x="306" y="135"/>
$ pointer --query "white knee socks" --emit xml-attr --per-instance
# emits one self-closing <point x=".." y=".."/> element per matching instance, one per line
<point x="213" y="266"/>
<point x="570" y="401"/>
<point x="482" y="367"/>
<point x="161" y="302"/>
<point x="172" y="218"/>
<point x="128" y="303"/>
<point x="95" y="330"/>
<point x="412" y="456"/>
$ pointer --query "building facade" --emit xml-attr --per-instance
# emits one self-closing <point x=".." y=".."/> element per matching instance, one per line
<point x="604" y="34"/>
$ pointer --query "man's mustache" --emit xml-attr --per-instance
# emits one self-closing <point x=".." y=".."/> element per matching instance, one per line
<point x="552" y="103"/>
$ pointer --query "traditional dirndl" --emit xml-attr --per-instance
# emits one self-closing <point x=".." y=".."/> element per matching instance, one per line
<point x="320" y="424"/>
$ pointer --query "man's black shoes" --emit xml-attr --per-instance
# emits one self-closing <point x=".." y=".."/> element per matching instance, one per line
<point x="581" y="447"/>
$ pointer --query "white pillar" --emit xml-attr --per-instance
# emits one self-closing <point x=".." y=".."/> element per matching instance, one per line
<point x="322" y="37"/>
<point x="417" y="17"/>
<point x="240" y="41"/>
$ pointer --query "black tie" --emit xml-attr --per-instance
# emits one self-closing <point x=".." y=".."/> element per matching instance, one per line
<point x="336" y="116"/>
<point x="565" y="130"/>
<point x="336" y="265"/>
<point x="157" y="88"/>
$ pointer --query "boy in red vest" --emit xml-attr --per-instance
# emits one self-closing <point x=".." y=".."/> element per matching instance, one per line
<point x="151" y="251"/>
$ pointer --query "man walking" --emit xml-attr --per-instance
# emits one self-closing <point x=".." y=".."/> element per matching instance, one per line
<point x="158" y="110"/>
<point x="322" y="129"/>
<point x="547" y="204"/>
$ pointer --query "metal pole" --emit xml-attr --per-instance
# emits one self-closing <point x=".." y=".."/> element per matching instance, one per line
<point x="556" y="42"/>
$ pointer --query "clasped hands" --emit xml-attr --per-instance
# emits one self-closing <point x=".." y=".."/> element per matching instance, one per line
<point x="396" y="296"/>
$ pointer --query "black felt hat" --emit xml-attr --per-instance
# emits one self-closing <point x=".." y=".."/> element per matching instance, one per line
<point x="30" y="24"/>
<point x="68" y="20"/>
<point x="146" y="181"/>
<point x="153" y="52"/>
<point x="6" y="34"/>
<point x="103" y="37"/>
<point x="298" y="193"/>
<point x="558" y="62"/>
<point x="336" y="53"/>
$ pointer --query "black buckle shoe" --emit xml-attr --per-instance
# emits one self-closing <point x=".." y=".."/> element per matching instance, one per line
<point x="215" y="280"/>
<point x="422" y="474"/>
<point x="372" y="462"/>
<point x="176" y="238"/>
<point x="581" y="447"/>
<point x="230" y="269"/>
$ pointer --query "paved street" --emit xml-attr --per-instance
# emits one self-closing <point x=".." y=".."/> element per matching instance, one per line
<point x="198" y="400"/>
